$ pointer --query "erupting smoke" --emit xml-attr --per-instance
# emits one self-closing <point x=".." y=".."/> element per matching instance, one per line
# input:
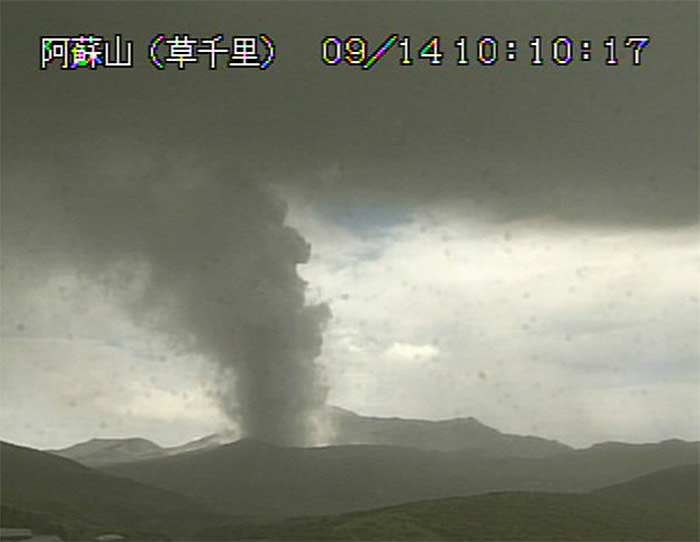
<point x="221" y="273"/>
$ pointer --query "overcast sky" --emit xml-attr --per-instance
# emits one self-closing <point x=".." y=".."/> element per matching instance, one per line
<point x="513" y="243"/>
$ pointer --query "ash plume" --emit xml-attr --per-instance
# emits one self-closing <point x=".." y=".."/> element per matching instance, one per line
<point x="220" y="269"/>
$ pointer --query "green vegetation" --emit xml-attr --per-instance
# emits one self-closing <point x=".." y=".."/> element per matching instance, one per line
<point x="494" y="516"/>
<point x="38" y="522"/>
<point x="54" y="495"/>
<point x="58" y="496"/>
<point x="677" y="485"/>
<point x="253" y="478"/>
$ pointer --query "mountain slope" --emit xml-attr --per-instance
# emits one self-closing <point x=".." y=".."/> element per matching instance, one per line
<point x="253" y="478"/>
<point x="678" y="485"/>
<point x="658" y="506"/>
<point x="204" y="443"/>
<point x="98" y="451"/>
<point x="84" y="502"/>
<point x="349" y="428"/>
<point x="493" y="516"/>
<point x="444" y="435"/>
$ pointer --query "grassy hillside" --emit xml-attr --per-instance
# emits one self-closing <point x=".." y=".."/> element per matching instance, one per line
<point x="50" y="491"/>
<point x="676" y="484"/>
<point x="637" y="510"/>
<point x="58" y="496"/>
<point x="496" y="516"/>
<point x="38" y="522"/>
<point x="252" y="478"/>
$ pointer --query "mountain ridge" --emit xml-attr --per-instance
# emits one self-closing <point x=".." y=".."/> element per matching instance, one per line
<point x="381" y="492"/>
<point x="249" y="477"/>
<point x="505" y="516"/>
<point x="349" y="428"/>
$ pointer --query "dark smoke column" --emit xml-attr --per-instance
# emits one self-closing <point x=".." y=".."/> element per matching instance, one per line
<point x="275" y="390"/>
<point x="224" y="265"/>
<point x="216" y="264"/>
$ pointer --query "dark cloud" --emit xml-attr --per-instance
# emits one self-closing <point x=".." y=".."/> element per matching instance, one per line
<point x="585" y="143"/>
<point x="217" y="262"/>
<point x="94" y="174"/>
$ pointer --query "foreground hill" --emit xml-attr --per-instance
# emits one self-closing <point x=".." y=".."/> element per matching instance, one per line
<point x="660" y="506"/>
<point x="679" y="486"/>
<point x="55" y="495"/>
<point x="253" y="478"/>
<point x="494" y="516"/>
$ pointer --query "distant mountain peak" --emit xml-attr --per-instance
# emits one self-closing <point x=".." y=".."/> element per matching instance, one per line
<point x="127" y="440"/>
<point x="617" y="445"/>
<point x="350" y="428"/>
<point x="252" y="442"/>
<point x="470" y="420"/>
<point x="334" y="410"/>
<point x="463" y="433"/>
<point x="101" y="451"/>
